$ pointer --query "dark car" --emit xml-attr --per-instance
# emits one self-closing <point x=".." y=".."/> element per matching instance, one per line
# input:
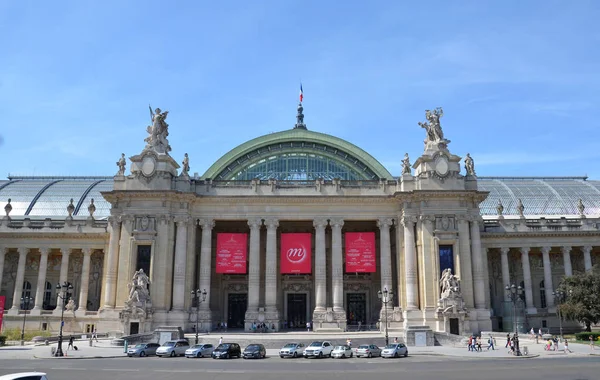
<point x="255" y="351"/>
<point x="227" y="351"/>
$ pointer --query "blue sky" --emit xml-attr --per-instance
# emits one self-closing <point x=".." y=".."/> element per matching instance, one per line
<point x="518" y="80"/>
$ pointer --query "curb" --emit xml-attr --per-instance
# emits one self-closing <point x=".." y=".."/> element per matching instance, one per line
<point x="78" y="357"/>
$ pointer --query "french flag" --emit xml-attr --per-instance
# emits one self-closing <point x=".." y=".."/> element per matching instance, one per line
<point x="301" y="93"/>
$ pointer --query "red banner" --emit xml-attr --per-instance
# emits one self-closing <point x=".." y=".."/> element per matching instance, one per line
<point x="296" y="253"/>
<point x="2" y="300"/>
<point x="360" y="252"/>
<point x="231" y="253"/>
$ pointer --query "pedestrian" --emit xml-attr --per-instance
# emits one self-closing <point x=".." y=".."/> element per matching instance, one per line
<point x="592" y="342"/>
<point x="531" y="333"/>
<point x="507" y="341"/>
<point x="95" y="336"/>
<point x="478" y="343"/>
<point x="220" y="340"/>
<point x="308" y="326"/>
<point x="490" y="343"/>
<point x="470" y="343"/>
<point x="567" y="347"/>
<point x="396" y="340"/>
<point x="349" y="342"/>
<point x="71" y="340"/>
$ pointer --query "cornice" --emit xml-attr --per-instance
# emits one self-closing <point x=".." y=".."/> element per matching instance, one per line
<point x="58" y="236"/>
<point x="297" y="199"/>
<point x="541" y="234"/>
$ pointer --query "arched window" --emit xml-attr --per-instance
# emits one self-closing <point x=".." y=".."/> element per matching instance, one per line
<point x="26" y="293"/>
<point x="542" y="295"/>
<point x="47" y="297"/>
<point x="523" y="298"/>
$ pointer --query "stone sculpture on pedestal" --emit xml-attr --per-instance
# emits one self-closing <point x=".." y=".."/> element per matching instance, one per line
<point x="469" y="165"/>
<point x="121" y="164"/>
<point x="435" y="135"/>
<point x="451" y="305"/>
<point x="158" y="131"/>
<point x="186" y="165"/>
<point x="406" y="164"/>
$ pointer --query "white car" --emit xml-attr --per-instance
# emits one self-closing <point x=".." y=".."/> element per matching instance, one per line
<point x="25" y="376"/>
<point x="394" y="350"/>
<point x="318" y="349"/>
<point x="291" y="350"/>
<point x="341" y="352"/>
<point x="173" y="348"/>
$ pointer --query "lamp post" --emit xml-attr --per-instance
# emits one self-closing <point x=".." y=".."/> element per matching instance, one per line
<point x="62" y="294"/>
<point x="199" y="296"/>
<point x="25" y="302"/>
<point x="514" y="294"/>
<point x="559" y="298"/>
<point x="385" y="296"/>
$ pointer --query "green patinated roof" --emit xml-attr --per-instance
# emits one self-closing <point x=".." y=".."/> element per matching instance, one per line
<point x="297" y="135"/>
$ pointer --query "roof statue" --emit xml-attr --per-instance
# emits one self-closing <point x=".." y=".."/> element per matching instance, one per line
<point x="521" y="208"/>
<point x="186" y="165"/>
<point x="406" y="164"/>
<point x="469" y="165"/>
<point x="580" y="207"/>
<point x="499" y="207"/>
<point x="158" y="131"/>
<point x="435" y="134"/>
<point x="300" y="118"/>
<point x="121" y="164"/>
<point x="8" y="208"/>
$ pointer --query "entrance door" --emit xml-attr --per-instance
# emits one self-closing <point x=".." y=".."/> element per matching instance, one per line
<point x="454" y="326"/>
<point x="296" y="310"/>
<point x="236" y="309"/>
<point x="356" y="308"/>
<point x="134" y="328"/>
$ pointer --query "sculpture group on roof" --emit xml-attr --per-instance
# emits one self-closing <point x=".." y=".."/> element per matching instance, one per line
<point x="435" y="134"/>
<point x="158" y="132"/>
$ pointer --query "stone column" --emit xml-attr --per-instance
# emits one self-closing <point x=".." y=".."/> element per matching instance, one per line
<point x="566" y="251"/>
<point x="527" y="280"/>
<point x="20" y="279"/>
<point x="205" y="261"/>
<point x="410" y="263"/>
<point x="587" y="258"/>
<point x="466" y="268"/>
<point x="63" y="276"/>
<point x="320" y="265"/>
<point x="479" y="285"/>
<point x="3" y="251"/>
<point x="41" y="281"/>
<point x="180" y="262"/>
<point x="271" y="269"/>
<point x="505" y="271"/>
<point x="385" y="255"/>
<point x="337" y="264"/>
<point x="85" y="279"/>
<point x="486" y="276"/>
<point x="112" y="263"/>
<point x="548" y="287"/>
<point x="254" y="268"/>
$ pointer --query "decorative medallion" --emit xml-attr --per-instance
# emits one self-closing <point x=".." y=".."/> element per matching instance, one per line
<point x="441" y="166"/>
<point x="148" y="166"/>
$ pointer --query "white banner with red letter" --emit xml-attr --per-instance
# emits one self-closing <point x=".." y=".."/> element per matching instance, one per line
<point x="232" y="253"/>
<point x="296" y="253"/>
<point x="360" y="252"/>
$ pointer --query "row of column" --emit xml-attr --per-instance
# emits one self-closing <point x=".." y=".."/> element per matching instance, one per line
<point x="42" y="273"/>
<point x="548" y="286"/>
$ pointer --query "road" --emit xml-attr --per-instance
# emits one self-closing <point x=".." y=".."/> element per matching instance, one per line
<point x="415" y="367"/>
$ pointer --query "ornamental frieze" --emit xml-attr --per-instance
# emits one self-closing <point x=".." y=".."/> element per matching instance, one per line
<point x="297" y="287"/>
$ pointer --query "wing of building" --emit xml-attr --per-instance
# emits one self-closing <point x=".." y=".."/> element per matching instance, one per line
<point x="291" y="228"/>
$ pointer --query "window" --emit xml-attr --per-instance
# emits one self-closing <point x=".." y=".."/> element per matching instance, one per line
<point x="542" y="295"/>
<point x="446" y="258"/>
<point x="90" y="328"/>
<point x="47" y="296"/>
<point x="26" y="293"/>
<point x="44" y="326"/>
<point x="544" y="323"/>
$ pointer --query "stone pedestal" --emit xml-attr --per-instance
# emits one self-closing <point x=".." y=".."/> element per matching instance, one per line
<point x="163" y="334"/>
<point x="449" y="309"/>
<point x="419" y="336"/>
<point x="137" y="312"/>
<point x="412" y="318"/>
<point x="329" y="320"/>
<point x="395" y="321"/>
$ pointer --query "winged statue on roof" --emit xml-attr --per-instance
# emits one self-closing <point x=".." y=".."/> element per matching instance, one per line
<point x="158" y="131"/>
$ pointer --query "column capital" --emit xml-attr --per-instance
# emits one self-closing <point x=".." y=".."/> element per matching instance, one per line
<point x="524" y="250"/>
<point x="586" y="249"/>
<point x="427" y="218"/>
<point x="87" y="251"/>
<point x="408" y="220"/>
<point x="182" y="220"/>
<point x="319" y="223"/>
<point x="566" y="249"/>
<point x="504" y="250"/>
<point x="546" y="250"/>
<point x="22" y="251"/>
<point x="44" y="251"/>
<point x="114" y="220"/>
<point x="65" y="250"/>
<point x="336" y="222"/>
<point x="255" y="223"/>
<point x="3" y="250"/>
<point x="207" y="223"/>
<point x="272" y="223"/>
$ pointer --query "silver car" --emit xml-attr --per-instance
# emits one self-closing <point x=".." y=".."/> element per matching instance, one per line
<point x="143" y="349"/>
<point x="368" y="350"/>
<point x="199" y="351"/>
<point x="394" y="350"/>
<point x="173" y="348"/>
<point x="291" y="350"/>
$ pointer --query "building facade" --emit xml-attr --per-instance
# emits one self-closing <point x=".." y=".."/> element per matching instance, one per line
<point x="289" y="228"/>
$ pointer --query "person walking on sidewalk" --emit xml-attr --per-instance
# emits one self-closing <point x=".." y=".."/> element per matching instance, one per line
<point x="567" y="347"/>
<point x="507" y="341"/>
<point x="71" y="340"/>
<point x="95" y="336"/>
<point x="490" y="343"/>
<point x="592" y="342"/>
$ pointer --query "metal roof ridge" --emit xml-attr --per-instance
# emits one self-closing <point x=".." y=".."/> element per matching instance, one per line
<point x="53" y="178"/>
<point x="579" y="178"/>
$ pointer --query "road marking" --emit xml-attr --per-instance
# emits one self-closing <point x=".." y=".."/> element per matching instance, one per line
<point x="172" y="370"/>
<point x="69" y="368"/>
<point x="120" y="369"/>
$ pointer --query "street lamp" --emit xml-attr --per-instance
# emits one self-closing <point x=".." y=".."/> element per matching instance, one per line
<point x="62" y="294"/>
<point x="559" y="298"/>
<point x="385" y="296"/>
<point x="199" y="296"/>
<point x="514" y="294"/>
<point x="25" y="302"/>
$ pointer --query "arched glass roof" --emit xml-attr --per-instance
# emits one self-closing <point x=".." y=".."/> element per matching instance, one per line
<point x="540" y="196"/>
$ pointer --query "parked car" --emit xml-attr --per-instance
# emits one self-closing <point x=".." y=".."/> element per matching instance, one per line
<point x="318" y="349"/>
<point x="25" y="376"/>
<point x="291" y="350"/>
<point x="368" y="350"/>
<point x="227" y="351"/>
<point x="143" y="349"/>
<point x="341" y="352"/>
<point x="173" y="348"/>
<point x="254" y="351"/>
<point x="394" y="350"/>
<point x="199" y="351"/>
